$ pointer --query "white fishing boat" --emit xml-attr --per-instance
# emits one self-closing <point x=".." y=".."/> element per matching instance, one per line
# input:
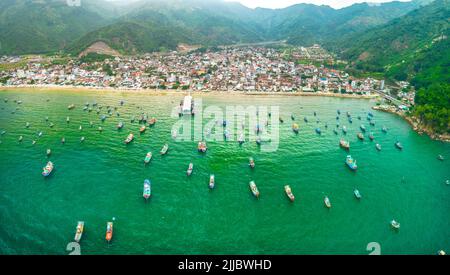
<point x="211" y="181"/>
<point x="190" y="169"/>
<point x="79" y="231"/>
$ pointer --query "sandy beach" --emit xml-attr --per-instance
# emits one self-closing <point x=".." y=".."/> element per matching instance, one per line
<point x="168" y="92"/>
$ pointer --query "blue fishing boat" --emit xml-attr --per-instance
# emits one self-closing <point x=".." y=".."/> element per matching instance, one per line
<point x="351" y="163"/>
<point x="147" y="189"/>
<point x="318" y="131"/>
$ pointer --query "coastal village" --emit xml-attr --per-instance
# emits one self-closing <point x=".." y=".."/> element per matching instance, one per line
<point x="246" y="69"/>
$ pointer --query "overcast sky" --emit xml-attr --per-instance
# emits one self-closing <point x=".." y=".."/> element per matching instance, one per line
<point x="275" y="4"/>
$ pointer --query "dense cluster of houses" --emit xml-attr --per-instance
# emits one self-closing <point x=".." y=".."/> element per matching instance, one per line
<point x="228" y="69"/>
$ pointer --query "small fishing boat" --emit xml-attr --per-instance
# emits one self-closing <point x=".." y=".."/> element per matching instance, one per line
<point x="20" y="138"/>
<point x="67" y="119"/>
<point x="82" y="139"/>
<point x="103" y="118"/>
<point x="441" y="253"/>
<point x="152" y="121"/>
<point x="129" y="138"/>
<point x="147" y="189"/>
<point x="33" y="142"/>
<point x="350" y="120"/>
<point x="254" y="189"/>
<point x="71" y="107"/>
<point x="120" y="125"/>
<point x="257" y="129"/>
<point x="305" y="119"/>
<point x="447" y="182"/>
<point x="357" y="194"/>
<point x="371" y="137"/>
<point x="360" y="136"/>
<point x="47" y="170"/>
<point x="281" y="120"/>
<point x="292" y="117"/>
<point x="100" y="129"/>
<point x="344" y="144"/>
<point x="79" y="231"/>
<point x="2" y="133"/>
<point x="395" y="224"/>
<point x="190" y="169"/>
<point x="51" y="125"/>
<point x="148" y="157"/>
<point x="27" y="125"/>
<point x="63" y="140"/>
<point x="338" y="112"/>
<point x="398" y="145"/>
<point x="318" y="131"/>
<point x="164" y="149"/>
<point x="337" y="118"/>
<point x="258" y="140"/>
<point x="288" y="191"/>
<point x="132" y="119"/>
<point x="251" y="162"/>
<point x="226" y="134"/>
<point x="315" y="114"/>
<point x="326" y="125"/>
<point x="363" y="128"/>
<point x="384" y="129"/>
<point x="211" y="181"/>
<point x="142" y="129"/>
<point x="440" y="157"/>
<point x="109" y="231"/>
<point x="174" y="134"/>
<point x="372" y="123"/>
<point x="344" y="129"/>
<point x="202" y="147"/>
<point x="327" y="202"/>
<point x="85" y="108"/>
<point x="335" y="131"/>
<point x="348" y="114"/>
<point x="378" y="146"/>
<point x="224" y="123"/>
<point x="49" y="152"/>
<point x="80" y="128"/>
<point x="295" y="128"/>
<point x="351" y="163"/>
<point x="91" y="124"/>
<point x="40" y="134"/>
<point x="359" y="117"/>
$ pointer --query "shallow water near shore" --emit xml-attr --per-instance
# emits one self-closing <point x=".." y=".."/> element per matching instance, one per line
<point x="102" y="179"/>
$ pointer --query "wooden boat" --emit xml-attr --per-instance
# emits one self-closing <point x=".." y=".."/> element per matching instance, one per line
<point x="120" y="125"/>
<point x="395" y="224"/>
<point x="288" y="191"/>
<point x="251" y="162"/>
<point x="142" y="129"/>
<point x="63" y="140"/>
<point x="202" y="147"/>
<point x="211" y="181"/>
<point x="147" y="189"/>
<point x="148" y="158"/>
<point x="335" y="131"/>
<point x="49" y="152"/>
<point x="357" y="194"/>
<point x="27" y="125"/>
<point x="20" y="138"/>
<point x="103" y="118"/>
<point x="344" y="129"/>
<point x="100" y="129"/>
<point x="351" y="163"/>
<point x="360" y="136"/>
<point x="79" y="231"/>
<point x="129" y="138"/>
<point x="318" y="131"/>
<point x="292" y="117"/>
<point x="81" y="128"/>
<point x="440" y="157"/>
<point x="384" y="129"/>
<point x="67" y="119"/>
<point x="33" y="142"/>
<point x="371" y="137"/>
<point x="305" y="119"/>
<point x="327" y="202"/>
<point x="109" y="231"/>
<point x="295" y="128"/>
<point x="40" y="134"/>
<point x="82" y="139"/>
<point x="164" y="149"/>
<point x="398" y="145"/>
<point x="378" y="146"/>
<point x="344" y="144"/>
<point x="71" y="107"/>
<point x="281" y="120"/>
<point x="254" y="189"/>
<point x="190" y="169"/>
<point x="363" y="128"/>
<point x="51" y="125"/>
<point x="152" y="121"/>
<point x="47" y="170"/>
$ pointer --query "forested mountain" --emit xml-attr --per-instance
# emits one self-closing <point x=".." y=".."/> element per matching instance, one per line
<point x="39" y="26"/>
